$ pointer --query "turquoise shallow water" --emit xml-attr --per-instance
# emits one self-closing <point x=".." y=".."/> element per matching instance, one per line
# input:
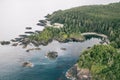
<point x="11" y="60"/>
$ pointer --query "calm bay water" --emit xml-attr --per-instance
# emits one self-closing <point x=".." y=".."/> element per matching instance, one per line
<point x="11" y="60"/>
<point x="15" y="15"/>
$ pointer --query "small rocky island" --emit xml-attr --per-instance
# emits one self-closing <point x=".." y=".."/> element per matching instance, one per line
<point x="27" y="64"/>
<point x="4" y="42"/>
<point x="28" y="28"/>
<point x="52" y="55"/>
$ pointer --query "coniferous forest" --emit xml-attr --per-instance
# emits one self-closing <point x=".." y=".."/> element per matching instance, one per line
<point x="102" y="60"/>
<point x="103" y="19"/>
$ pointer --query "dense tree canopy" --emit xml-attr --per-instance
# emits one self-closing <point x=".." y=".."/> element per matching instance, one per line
<point x="102" y="61"/>
<point x="103" y="19"/>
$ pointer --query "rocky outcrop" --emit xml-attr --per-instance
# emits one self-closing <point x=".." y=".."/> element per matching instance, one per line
<point x="63" y="49"/>
<point x="29" y="32"/>
<point x="4" y="42"/>
<point x="27" y="64"/>
<point x="28" y="50"/>
<point x="75" y="73"/>
<point x="52" y="55"/>
<point x="29" y="28"/>
<point x="14" y="44"/>
<point x="42" y="23"/>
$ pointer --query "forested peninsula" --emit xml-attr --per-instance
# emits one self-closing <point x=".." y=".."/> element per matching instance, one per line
<point x="102" y="61"/>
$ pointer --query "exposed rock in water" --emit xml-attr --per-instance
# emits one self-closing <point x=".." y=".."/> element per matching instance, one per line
<point x="41" y="24"/>
<point x="18" y="39"/>
<point x="35" y="43"/>
<point x="88" y="47"/>
<point x="30" y="32"/>
<point x="28" y="28"/>
<point x="47" y="16"/>
<point x="37" y="31"/>
<point x="13" y="40"/>
<point x="25" y="46"/>
<point x="43" y="21"/>
<point x="27" y="64"/>
<point x="76" y="40"/>
<point x="37" y="48"/>
<point x="75" y="73"/>
<point x="5" y="42"/>
<point x="63" y="49"/>
<point x="52" y="55"/>
<point x="14" y="44"/>
<point x="23" y="36"/>
<point x="28" y="50"/>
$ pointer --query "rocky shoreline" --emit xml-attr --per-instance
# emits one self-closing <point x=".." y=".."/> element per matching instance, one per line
<point x="76" y="73"/>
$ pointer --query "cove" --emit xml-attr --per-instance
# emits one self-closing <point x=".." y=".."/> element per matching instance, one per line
<point x="44" y="68"/>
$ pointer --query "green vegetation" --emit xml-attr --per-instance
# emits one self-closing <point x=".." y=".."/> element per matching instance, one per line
<point x="50" y="33"/>
<point x="103" y="19"/>
<point x="102" y="61"/>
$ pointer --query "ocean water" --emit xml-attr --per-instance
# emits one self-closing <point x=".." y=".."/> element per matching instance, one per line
<point x="15" y="15"/>
<point x="11" y="60"/>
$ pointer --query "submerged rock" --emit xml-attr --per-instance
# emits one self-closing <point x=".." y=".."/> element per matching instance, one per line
<point x="35" y="43"/>
<point x="63" y="49"/>
<point x="37" y="31"/>
<point x="29" y="32"/>
<point x="13" y="40"/>
<point x="18" y="39"/>
<point x="27" y="64"/>
<point x="52" y="55"/>
<point x="28" y="28"/>
<point x="41" y="24"/>
<point x="23" y="36"/>
<point x="43" y="21"/>
<point x="28" y="50"/>
<point x="14" y="44"/>
<point x="5" y="42"/>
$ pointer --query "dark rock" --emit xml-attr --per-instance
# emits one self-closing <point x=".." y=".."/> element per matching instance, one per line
<point x="88" y="47"/>
<point x="76" y="73"/>
<point x="13" y="40"/>
<point x="33" y="49"/>
<point x="5" y="42"/>
<point x="72" y="73"/>
<point x="18" y="39"/>
<point x="63" y="49"/>
<point x="25" y="42"/>
<point x="37" y="48"/>
<point x="25" y="46"/>
<point x="37" y="31"/>
<point x="27" y="64"/>
<point x="30" y="32"/>
<point x="47" y="16"/>
<point x="14" y="44"/>
<point x="43" y="21"/>
<point x="41" y="24"/>
<point x="52" y="55"/>
<point x="28" y="28"/>
<point x="23" y="36"/>
<point x="35" y="43"/>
